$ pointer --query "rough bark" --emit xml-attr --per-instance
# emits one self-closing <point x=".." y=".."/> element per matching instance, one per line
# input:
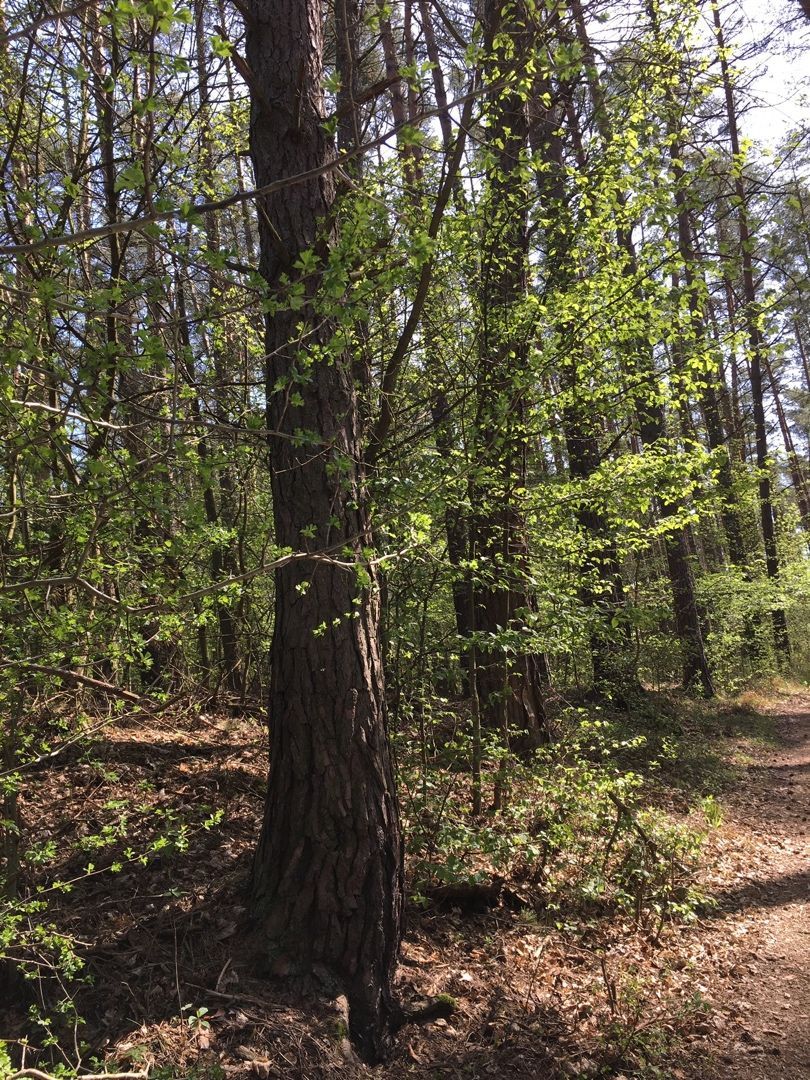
<point x="326" y="888"/>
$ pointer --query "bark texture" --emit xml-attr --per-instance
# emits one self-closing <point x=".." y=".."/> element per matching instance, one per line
<point x="326" y="889"/>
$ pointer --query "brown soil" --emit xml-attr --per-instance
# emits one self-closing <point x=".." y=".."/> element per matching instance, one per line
<point x="539" y="997"/>
<point x="762" y="1014"/>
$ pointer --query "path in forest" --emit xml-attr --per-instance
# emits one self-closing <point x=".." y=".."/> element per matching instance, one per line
<point x="762" y="1021"/>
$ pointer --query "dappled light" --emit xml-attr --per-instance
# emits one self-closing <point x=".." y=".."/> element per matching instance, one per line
<point x="404" y="539"/>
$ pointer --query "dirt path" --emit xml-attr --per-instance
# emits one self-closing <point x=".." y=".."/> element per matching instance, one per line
<point x="761" y="1026"/>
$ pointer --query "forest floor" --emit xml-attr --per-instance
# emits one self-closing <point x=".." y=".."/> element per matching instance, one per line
<point x="167" y="988"/>
<point x="762" y="882"/>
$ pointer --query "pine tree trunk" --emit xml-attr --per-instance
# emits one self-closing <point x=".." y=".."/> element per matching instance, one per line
<point x="326" y="890"/>
<point x="795" y="466"/>
<point x="757" y="348"/>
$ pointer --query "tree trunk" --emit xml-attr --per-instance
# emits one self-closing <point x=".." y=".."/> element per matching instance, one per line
<point x="326" y="889"/>
<point x="757" y="347"/>
<point x="511" y="689"/>
<point x="456" y="528"/>
<point x="795" y="467"/>
<point x="640" y="367"/>
<point x="223" y="562"/>
<point x="602" y="590"/>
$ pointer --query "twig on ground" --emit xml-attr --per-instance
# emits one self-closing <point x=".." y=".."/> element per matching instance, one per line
<point x="248" y="999"/>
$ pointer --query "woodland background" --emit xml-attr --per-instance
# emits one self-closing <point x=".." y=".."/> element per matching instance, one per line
<point x="442" y="364"/>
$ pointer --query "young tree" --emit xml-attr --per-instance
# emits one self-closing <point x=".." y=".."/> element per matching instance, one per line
<point x="644" y="380"/>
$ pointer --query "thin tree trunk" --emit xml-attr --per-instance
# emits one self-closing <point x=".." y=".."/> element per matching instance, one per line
<point x="456" y="529"/>
<point x="803" y="355"/>
<point x="602" y="589"/>
<point x="797" y="475"/>
<point x="223" y="563"/>
<point x="757" y="347"/>
<point x="455" y="521"/>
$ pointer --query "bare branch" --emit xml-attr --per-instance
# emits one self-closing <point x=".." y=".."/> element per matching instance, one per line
<point x="199" y="209"/>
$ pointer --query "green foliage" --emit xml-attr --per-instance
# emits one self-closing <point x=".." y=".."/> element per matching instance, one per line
<point x="632" y="1041"/>
<point x="196" y="1018"/>
<point x="576" y="829"/>
<point x="33" y="945"/>
<point x="561" y="336"/>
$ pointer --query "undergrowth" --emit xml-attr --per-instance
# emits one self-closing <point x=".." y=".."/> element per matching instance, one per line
<point x="592" y="839"/>
<point x="575" y="828"/>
